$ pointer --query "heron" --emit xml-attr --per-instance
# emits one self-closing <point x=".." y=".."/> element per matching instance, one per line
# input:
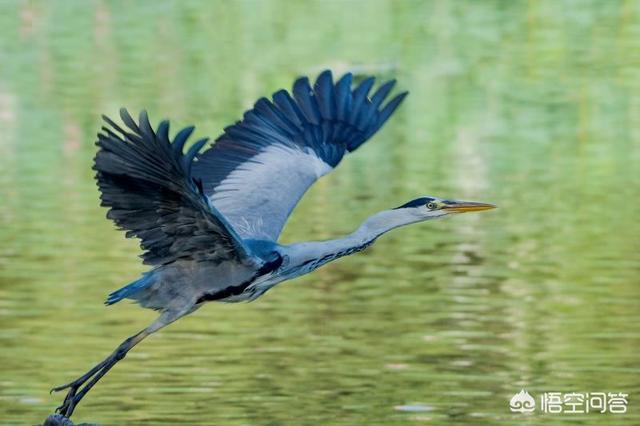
<point x="209" y="220"/>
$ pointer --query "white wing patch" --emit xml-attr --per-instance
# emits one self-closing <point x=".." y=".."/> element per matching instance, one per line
<point x="266" y="188"/>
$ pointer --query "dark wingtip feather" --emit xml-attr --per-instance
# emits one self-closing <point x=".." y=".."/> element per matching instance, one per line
<point x="193" y="151"/>
<point x="345" y="80"/>
<point x="145" y="126"/>
<point x="111" y="123"/>
<point x="391" y="106"/>
<point x="302" y="84"/>
<point x="323" y="90"/>
<point x="324" y="75"/>
<point x="162" y="131"/>
<point x="303" y="95"/>
<point x="325" y="79"/>
<point x="343" y="97"/>
<point x="285" y="103"/>
<point x="382" y="93"/>
<point x="359" y="95"/>
<point x="389" y="109"/>
<point x="126" y="118"/>
<point x="364" y="87"/>
<point x="181" y="138"/>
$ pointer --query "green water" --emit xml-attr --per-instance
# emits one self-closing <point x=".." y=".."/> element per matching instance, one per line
<point x="534" y="106"/>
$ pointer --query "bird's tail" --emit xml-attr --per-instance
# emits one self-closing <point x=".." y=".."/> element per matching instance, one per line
<point x="129" y="289"/>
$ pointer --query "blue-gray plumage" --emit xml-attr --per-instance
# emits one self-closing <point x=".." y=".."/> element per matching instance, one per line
<point x="209" y="222"/>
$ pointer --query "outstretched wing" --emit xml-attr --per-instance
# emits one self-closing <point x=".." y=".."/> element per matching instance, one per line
<point x="146" y="182"/>
<point x="258" y="170"/>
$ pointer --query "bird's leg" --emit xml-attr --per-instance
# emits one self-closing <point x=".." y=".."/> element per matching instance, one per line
<point x="76" y="389"/>
<point x="79" y="387"/>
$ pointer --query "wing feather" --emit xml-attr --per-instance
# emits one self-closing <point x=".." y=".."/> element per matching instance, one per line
<point x="260" y="167"/>
<point x="146" y="182"/>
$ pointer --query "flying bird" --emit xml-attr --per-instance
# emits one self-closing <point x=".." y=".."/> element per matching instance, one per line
<point x="209" y="222"/>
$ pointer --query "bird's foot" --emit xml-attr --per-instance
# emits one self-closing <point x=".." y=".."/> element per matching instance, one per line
<point x="76" y="389"/>
<point x="83" y="384"/>
<point x="71" y="399"/>
<point x="69" y="403"/>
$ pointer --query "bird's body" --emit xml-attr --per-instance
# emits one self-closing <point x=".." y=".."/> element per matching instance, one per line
<point x="209" y="222"/>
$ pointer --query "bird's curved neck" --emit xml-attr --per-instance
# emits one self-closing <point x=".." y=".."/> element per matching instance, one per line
<point x="383" y="222"/>
<point x="313" y="254"/>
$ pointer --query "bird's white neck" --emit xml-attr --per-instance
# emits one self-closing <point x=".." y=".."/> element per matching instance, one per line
<point x="383" y="222"/>
<point x="313" y="254"/>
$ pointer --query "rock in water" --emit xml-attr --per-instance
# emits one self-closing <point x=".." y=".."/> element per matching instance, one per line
<point x="57" y="420"/>
<point x="60" y="420"/>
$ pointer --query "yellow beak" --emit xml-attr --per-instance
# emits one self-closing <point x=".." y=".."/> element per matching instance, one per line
<point x="467" y="206"/>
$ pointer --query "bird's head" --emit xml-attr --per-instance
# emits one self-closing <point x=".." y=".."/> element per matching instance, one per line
<point x="428" y="207"/>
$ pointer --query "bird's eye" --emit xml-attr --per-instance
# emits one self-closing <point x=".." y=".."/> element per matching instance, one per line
<point x="431" y="205"/>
